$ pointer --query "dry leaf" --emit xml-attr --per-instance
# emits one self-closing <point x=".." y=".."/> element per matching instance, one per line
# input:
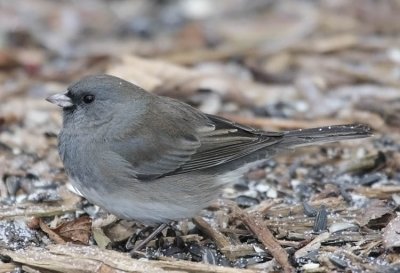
<point x="101" y="239"/>
<point x="52" y="235"/>
<point x="391" y="233"/>
<point x="375" y="210"/>
<point x="77" y="231"/>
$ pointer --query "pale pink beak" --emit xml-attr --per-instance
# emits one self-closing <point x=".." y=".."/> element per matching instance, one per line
<point x="60" y="100"/>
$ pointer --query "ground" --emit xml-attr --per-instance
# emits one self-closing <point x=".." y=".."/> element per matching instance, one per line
<point x="273" y="65"/>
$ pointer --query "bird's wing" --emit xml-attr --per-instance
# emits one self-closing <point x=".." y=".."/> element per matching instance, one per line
<point x="227" y="142"/>
<point x="162" y="140"/>
<point x="181" y="139"/>
<point x="156" y="155"/>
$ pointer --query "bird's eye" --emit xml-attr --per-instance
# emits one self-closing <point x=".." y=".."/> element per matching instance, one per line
<point x="88" y="99"/>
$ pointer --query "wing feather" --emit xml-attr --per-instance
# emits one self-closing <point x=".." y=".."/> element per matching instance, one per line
<point x="181" y="139"/>
<point x="227" y="142"/>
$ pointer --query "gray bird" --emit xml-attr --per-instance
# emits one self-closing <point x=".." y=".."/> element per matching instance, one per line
<point x="155" y="159"/>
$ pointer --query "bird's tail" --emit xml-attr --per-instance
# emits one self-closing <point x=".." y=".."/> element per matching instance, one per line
<point x="304" y="137"/>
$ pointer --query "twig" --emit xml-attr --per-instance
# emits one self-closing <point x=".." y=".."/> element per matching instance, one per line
<point x="92" y="259"/>
<point x="313" y="245"/>
<point x="227" y="248"/>
<point x="255" y="223"/>
<point x="39" y="210"/>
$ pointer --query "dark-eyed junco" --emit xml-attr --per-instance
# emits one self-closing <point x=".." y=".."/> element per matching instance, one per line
<point x="155" y="159"/>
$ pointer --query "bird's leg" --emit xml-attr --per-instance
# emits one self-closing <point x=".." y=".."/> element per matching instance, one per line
<point x="129" y="246"/>
<point x="143" y="243"/>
